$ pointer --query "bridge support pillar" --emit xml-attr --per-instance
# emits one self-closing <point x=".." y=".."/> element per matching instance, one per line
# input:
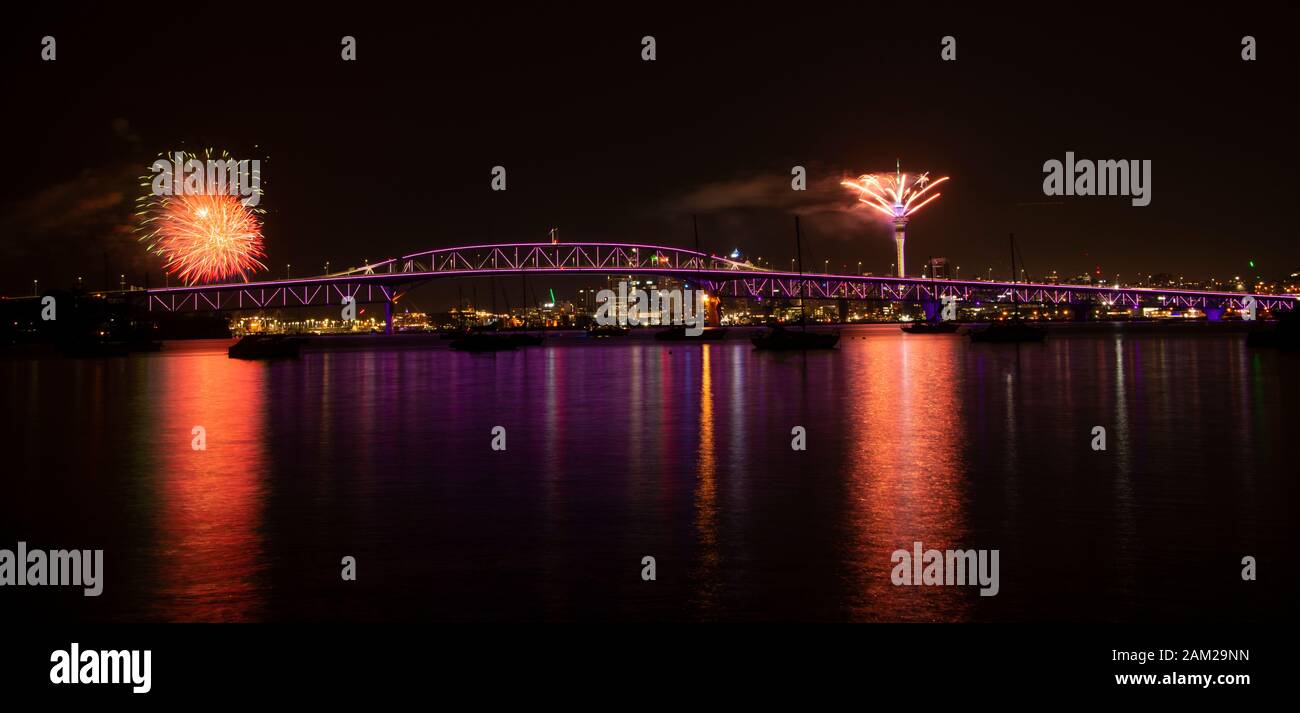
<point x="843" y="305"/>
<point x="1213" y="314"/>
<point x="932" y="308"/>
<point x="388" y="317"/>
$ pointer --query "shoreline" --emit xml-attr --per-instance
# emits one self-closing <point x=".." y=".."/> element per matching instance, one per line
<point x="424" y="340"/>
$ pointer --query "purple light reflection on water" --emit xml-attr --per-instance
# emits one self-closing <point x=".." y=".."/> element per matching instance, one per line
<point x="619" y="449"/>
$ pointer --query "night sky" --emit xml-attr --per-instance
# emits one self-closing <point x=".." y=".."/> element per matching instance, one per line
<point x="392" y="153"/>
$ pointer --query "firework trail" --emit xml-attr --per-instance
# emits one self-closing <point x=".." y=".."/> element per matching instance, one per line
<point x="896" y="194"/>
<point x="898" y="197"/>
<point x="201" y="237"/>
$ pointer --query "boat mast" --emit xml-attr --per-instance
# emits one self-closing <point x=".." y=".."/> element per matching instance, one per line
<point x="699" y="257"/>
<point x="1014" y="304"/>
<point x="934" y="296"/>
<point x="699" y="262"/>
<point x="798" y="249"/>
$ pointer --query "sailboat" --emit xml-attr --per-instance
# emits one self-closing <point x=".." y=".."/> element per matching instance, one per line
<point x="678" y="333"/>
<point x="520" y="337"/>
<point x="929" y="327"/>
<point x="778" y="338"/>
<point x="1015" y="329"/>
<point x="487" y="338"/>
<point x="601" y="331"/>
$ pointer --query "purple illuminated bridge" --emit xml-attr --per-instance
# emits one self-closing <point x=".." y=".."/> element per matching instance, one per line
<point x="385" y="281"/>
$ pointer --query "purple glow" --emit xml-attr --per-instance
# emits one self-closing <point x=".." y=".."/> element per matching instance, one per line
<point x="727" y="277"/>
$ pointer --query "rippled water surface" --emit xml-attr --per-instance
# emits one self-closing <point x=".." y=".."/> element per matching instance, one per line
<point x="619" y="449"/>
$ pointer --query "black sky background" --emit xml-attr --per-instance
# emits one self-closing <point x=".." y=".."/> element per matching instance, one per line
<point x="392" y="153"/>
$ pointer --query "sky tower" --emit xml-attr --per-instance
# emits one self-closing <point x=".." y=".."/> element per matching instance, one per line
<point x="896" y="196"/>
<point x="900" y="236"/>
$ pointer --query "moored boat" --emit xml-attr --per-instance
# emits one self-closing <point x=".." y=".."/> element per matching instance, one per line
<point x="930" y="327"/>
<point x="1015" y="329"/>
<point x="679" y="334"/>
<point x="779" y="338"/>
<point x="265" y="346"/>
<point x="601" y="331"/>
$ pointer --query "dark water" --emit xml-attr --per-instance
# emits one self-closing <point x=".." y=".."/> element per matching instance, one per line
<point x="621" y="449"/>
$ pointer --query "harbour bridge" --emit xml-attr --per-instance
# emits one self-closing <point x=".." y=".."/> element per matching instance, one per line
<point x="385" y="281"/>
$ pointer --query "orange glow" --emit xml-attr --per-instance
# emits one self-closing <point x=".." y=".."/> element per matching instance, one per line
<point x="210" y="501"/>
<point x="894" y="195"/>
<point x="204" y="237"/>
<point x="905" y="489"/>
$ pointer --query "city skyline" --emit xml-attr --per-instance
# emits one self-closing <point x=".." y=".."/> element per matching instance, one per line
<point x="420" y="174"/>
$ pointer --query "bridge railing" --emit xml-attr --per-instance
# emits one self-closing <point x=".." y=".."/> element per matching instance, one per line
<point x="382" y="281"/>
<point x="558" y="257"/>
<point x="921" y="290"/>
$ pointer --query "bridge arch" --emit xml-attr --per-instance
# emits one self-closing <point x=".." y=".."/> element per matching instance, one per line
<point x="383" y="281"/>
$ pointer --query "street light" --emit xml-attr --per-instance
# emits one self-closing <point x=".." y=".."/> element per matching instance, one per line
<point x="286" y="271"/>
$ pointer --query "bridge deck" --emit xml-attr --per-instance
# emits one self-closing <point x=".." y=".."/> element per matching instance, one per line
<point x="385" y="280"/>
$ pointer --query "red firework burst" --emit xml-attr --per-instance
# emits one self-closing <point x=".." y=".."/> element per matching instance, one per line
<point x="206" y="237"/>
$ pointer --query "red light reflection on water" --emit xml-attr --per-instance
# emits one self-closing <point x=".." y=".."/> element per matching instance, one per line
<point x="210" y="555"/>
<point x="905" y="472"/>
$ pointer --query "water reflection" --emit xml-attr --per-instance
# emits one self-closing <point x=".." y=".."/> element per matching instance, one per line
<point x="706" y="493"/>
<point x="904" y="472"/>
<point x="210" y="554"/>
<point x="623" y="449"/>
